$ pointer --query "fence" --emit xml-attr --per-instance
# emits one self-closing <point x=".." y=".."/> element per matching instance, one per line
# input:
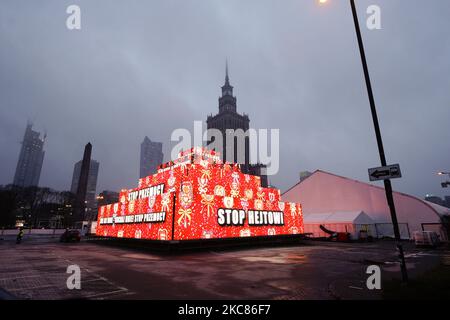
<point x="439" y="228"/>
<point x="9" y="232"/>
<point x="377" y="230"/>
<point x="387" y="230"/>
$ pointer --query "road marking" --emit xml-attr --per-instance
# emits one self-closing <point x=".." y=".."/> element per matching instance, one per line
<point x="358" y="288"/>
<point x="106" y="293"/>
<point x="218" y="253"/>
<point x="15" y="278"/>
<point x="36" y="287"/>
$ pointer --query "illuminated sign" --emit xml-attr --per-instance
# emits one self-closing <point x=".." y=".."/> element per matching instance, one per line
<point x="235" y="217"/>
<point x="137" y="218"/>
<point x="198" y="197"/>
<point x="146" y="192"/>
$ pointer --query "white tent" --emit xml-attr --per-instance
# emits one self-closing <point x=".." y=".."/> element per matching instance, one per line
<point x="346" y="221"/>
<point x="440" y="210"/>
<point x="326" y="192"/>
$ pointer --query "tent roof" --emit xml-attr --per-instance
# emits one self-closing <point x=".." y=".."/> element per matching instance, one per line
<point x="354" y="217"/>
<point x="442" y="211"/>
<point x="315" y="217"/>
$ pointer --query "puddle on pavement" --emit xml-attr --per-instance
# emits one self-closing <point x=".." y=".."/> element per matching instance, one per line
<point x="282" y="284"/>
<point x="280" y="259"/>
<point x="140" y="256"/>
<point x="394" y="267"/>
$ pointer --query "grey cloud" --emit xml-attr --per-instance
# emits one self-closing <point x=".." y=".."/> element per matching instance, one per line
<point x="147" y="67"/>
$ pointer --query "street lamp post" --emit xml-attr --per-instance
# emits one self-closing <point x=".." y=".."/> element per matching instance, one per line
<point x="446" y="183"/>
<point x="387" y="182"/>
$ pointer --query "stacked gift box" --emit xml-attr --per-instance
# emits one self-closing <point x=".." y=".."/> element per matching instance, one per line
<point x="187" y="197"/>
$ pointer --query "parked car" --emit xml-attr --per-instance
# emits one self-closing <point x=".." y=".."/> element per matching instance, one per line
<point x="70" y="235"/>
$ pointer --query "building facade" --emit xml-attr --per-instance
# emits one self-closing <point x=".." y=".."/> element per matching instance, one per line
<point x="107" y="197"/>
<point x="229" y="118"/>
<point x="304" y="174"/>
<point x="434" y="199"/>
<point x="31" y="157"/>
<point x="91" y="203"/>
<point x="151" y="157"/>
<point x="447" y="201"/>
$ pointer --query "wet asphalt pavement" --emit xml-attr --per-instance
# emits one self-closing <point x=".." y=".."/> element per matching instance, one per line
<point x="36" y="269"/>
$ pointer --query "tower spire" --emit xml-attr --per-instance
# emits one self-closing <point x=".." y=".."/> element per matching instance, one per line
<point x="227" y="79"/>
<point x="227" y="101"/>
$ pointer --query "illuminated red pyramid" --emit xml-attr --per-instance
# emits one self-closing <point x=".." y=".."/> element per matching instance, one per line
<point x="198" y="197"/>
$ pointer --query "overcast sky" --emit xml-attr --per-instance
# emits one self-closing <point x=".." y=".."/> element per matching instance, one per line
<point x="140" y="68"/>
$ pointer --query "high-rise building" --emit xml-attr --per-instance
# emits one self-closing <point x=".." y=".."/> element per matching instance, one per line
<point x="107" y="197"/>
<point x="229" y="118"/>
<point x="80" y="210"/>
<point x="28" y="170"/>
<point x="304" y="175"/>
<point x="447" y="201"/>
<point x="434" y="199"/>
<point x="91" y="183"/>
<point x="151" y="157"/>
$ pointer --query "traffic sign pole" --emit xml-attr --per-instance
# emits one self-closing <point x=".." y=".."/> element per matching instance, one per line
<point x="383" y="173"/>
<point x="387" y="182"/>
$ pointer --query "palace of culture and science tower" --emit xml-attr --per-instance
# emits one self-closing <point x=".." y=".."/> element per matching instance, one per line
<point x="229" y="118"/>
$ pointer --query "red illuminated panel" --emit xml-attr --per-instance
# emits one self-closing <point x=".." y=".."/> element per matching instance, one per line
<point x="149" y="218"/>
<point x="211" y="201"/>
<point x="210" y="216"/>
